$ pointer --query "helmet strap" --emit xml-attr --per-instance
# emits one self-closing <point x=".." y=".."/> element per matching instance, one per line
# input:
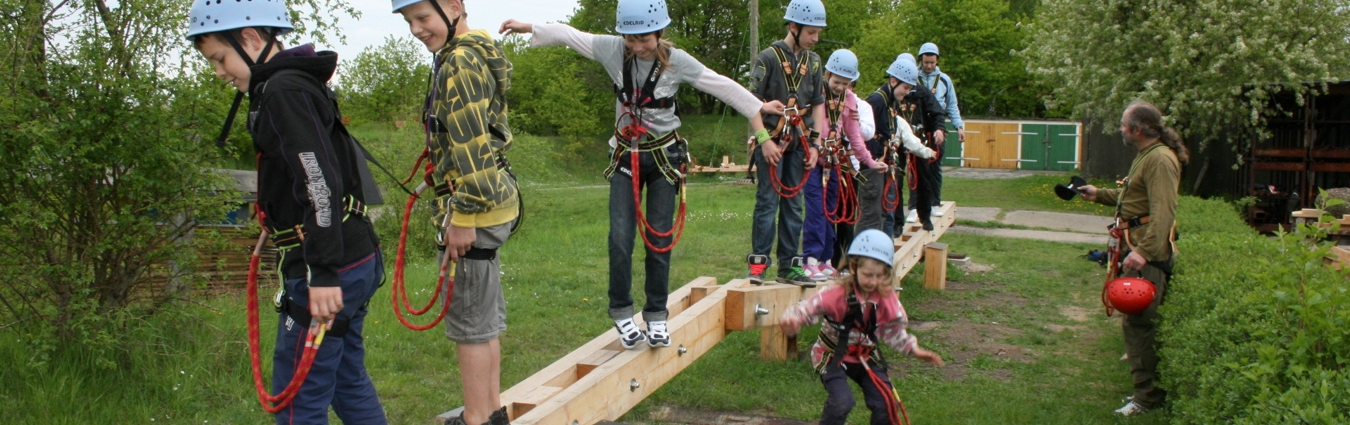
<point x="450" y="25"/>
<point x="239" y="96"/>
<point x="796" y="36"/>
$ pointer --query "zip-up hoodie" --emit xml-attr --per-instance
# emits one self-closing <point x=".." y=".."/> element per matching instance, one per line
<point x="306" y="167"/>
<point x="469" y="131"/>
<point x="941" y="85"/>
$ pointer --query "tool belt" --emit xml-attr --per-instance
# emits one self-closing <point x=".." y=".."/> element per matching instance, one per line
<point x="286" y="239"/>
<point x="654" y="145"/>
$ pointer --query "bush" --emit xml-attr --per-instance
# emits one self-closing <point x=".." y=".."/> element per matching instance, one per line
<point x="1254" y="327"/>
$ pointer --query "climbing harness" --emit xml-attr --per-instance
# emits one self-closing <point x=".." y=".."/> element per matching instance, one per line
<point x="632" y="138"/>
<point x="845" y="210"/>
<point x="312" y="338"/>
<point x="840" y="347"/>
<point x="791" y="128"/>
<point x="1119" y="232"/>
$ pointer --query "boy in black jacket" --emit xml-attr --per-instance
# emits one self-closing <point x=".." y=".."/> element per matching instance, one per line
<point x="310" y="199"/>
<point x="902" y="96"/>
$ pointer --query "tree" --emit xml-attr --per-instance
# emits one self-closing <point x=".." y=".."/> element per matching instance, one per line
<point x="1210" y="66"/>
<point x="106" y="119"/>
<point x="978" y="40"/>
<point x="386" y="82"/>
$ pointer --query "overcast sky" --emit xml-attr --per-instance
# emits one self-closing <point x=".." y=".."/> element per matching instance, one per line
<point x="377" y="22"/>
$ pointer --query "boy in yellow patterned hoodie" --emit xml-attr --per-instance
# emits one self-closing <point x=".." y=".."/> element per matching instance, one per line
<point x="477" y="197"/>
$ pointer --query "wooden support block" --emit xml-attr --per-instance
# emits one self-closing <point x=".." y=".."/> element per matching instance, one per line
<point x="726" y="161"/>
<point x="935" y="266"/>
<point x="772" y="300"/>
<point x="611" y="389"/>
<point x="773" y="343"/>
<point x="1342" y="257"/>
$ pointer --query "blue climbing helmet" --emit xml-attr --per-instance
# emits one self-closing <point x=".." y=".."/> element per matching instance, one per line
<point x="211" y="16"/>
<point x="641" y="16"/>
<point x="806" y="12"/>
<point x="873" y="243"/>
<point x="928" y="49"/>
<point x="400" y="4"/>
<point x="844" y="64"/>
<point x="904" y="69"/>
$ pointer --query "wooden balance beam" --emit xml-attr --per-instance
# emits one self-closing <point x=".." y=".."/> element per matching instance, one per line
<point x="602" y="381"/>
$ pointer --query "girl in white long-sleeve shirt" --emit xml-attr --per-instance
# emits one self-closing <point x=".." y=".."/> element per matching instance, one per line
<point x="646" y="71"/>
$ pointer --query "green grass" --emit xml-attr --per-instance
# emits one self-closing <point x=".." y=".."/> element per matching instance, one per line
<point x="1034" y="192"/>
<point x="189" y="364"/>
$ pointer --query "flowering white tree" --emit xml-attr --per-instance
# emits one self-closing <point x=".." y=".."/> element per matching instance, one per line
<point x="1210" y="65"/>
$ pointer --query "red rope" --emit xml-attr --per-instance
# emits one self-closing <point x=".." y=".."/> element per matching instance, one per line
<point x="895" y="408"/>
<point x="643" y="226"/>
<point x="274" y="403"/>
<point x="400" y="289"/>
<point x="886" y="202"/>
<point x="778" y="186"/>
<point x="846" y="200"/>
<point x="1112" y="268"/>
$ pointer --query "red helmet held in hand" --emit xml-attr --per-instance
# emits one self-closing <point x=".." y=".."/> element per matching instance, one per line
<point x="1130" y="295"/>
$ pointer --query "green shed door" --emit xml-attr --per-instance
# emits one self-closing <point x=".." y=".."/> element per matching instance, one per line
<point x="1063" y="148"/>
<point x="952" y="158"/>
<point x="1035" y="147"/>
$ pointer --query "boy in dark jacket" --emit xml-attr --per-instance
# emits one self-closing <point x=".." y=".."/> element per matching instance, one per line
<point x="902" y="96"/>
<point x="310" y="199"/>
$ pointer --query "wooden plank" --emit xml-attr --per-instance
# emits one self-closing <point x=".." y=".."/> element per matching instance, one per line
<point x="596" y="359"/>
<point x="607" y="392"/>
<point x="563" y="372"/>
<point x="1278" y="166"/>
<point x="1342" y="257"/>
<point x="530" y="400"/>
<point x="774" y="299"/>
<point x="909" y="251"/>
<point x="935" y="266"/>
<point x="773" y="344"/>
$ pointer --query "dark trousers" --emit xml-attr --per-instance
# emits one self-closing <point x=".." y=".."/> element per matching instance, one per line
<point x="921" y="199"/>
<point x="660" y="211"/>
<point x="338" y="377"/>
<point x="871" y="197"/>
<point x="1141" y="340"/>
<point x="818" y="233"/>
<point x="934" y="173"/>
<point x="840" y="400"/>
<point x="768" y="204"/>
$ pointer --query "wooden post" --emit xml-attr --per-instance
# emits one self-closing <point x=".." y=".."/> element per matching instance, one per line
<point x="935" y="266"/>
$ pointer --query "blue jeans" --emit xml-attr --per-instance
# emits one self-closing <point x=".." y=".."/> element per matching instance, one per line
<point x="660" y="212"/>
<point x="840" y="400"/>
<point x="817" y="231"/>
<point x="338" y="377"/>
<point x="769" y="204"/>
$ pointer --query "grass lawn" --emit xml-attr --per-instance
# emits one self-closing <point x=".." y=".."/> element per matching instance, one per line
<point x="1025" y="341"/>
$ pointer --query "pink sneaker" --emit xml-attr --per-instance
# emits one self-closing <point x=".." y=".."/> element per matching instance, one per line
<point x="814" y="271"/>
<point x="828" y="270"/>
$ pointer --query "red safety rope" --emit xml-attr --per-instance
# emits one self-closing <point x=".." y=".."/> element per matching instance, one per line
<point x="778" y="186"/>
<point x="275" y="403"/>
<point x="643" y="226"/>
<point x="846" y="200"/>
<point x="399" y="290"/>
<point x="895" y="409"/>
<point x="1112" y="267"/>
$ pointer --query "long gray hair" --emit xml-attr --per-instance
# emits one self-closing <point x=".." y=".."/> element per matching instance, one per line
<point x="1146" y="118"/>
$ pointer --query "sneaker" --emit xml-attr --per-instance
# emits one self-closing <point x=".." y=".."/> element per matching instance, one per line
<point x="814" y="271"/>
<point x="457" y="420"/>
<point x="937" y="211"/>
<point x="1131" y="409"/>
<point x="657" y="335"/>
<point x="794" y="275"/>
<point x="828" y="270"/>
<point x="757" y="264"/>
<point x="928" y="225"/>
<point x="1125" y="357"/>
<point x="629" y="334"/>
<point x="913" y="216"/>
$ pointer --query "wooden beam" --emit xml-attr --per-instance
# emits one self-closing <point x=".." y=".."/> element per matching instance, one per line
<point x="524" y="396"/>
<point x="935" y="266"/>
<point x="770" y="300"/>
<point x="909" y="247"/>
<point x="611" y="389"/>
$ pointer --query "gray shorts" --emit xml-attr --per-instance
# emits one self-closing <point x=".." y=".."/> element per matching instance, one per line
<point x="478" y="310"/>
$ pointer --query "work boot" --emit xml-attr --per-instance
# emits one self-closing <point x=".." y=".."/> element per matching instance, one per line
<point x="794" y="275"/>
<point x="757" y="264"/>
<point x="928" y="225"/>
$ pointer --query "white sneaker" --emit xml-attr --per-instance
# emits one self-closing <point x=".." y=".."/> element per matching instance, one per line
<point x="1131" y="409"/>
<point x="814" y="271"/>
<point x="937" y="211"/>
<point x="913" y="216"/>
<point x="1125" y="357"/>
<point x="629" y="334"/>
<point x="657" y="334"/>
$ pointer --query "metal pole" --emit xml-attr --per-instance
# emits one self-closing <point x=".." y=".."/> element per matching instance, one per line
<point x="754" y="47"/>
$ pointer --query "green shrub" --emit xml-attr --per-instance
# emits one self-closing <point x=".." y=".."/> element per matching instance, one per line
<point x="1254" y="327"/>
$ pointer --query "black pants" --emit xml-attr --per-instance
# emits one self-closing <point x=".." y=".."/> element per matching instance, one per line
<point x="840" y="400"/>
